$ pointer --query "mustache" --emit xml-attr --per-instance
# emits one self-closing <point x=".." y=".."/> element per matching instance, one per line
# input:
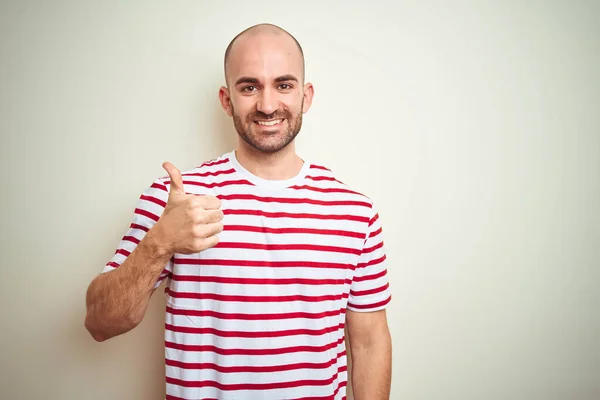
<point x="275" y="115"/>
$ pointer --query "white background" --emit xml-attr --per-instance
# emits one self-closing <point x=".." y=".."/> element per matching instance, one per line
<point x="474" y="126"/>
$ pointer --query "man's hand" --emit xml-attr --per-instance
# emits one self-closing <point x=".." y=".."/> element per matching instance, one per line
<point x="189" y="223"/>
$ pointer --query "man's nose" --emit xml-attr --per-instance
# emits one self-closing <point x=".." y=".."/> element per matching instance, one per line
<point x="267" y="102"/>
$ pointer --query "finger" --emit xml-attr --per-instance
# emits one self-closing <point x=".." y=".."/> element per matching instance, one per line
<point x="210" y="202"/>
<point x="203" y="244"/>
<point x="176" y="179"/>
<point x="213" y="216"/>
<point x="211" y="241"/>
<point x="214" y="228"/>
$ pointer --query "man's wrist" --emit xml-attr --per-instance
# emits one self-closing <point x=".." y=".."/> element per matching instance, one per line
<point x="154" y="244"/>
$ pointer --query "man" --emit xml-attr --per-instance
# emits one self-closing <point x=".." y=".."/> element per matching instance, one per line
<point x="267" y="258"/>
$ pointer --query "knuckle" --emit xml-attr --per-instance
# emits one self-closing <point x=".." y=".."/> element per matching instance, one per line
<point x="204" y="218"/>
<point x="199" y="245"/>
<point x="195" y="202"/>
<point x="198" y="231"/>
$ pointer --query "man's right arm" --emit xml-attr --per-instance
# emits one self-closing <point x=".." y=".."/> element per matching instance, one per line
<point x="117" y="300"/>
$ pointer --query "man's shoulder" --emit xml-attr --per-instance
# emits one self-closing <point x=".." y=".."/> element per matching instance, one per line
<point x="206" y="173"/>
<point x="213" y="165"/>
<point x="322" y="177"/>
<point x="206" y="168"/>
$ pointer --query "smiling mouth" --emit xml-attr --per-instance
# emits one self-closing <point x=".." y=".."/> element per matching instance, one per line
<point x="272" y="122"/>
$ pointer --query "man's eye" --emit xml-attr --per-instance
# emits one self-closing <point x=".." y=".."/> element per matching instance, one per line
<point x="285" y="86"/>
<point x="248" y="88"/>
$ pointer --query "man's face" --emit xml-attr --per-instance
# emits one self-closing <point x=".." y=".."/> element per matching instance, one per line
<point x="266" y="97"/>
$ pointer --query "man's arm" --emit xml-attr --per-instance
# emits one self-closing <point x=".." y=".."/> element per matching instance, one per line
<point x="371" y="351"/>
<point x="117" y="301"/>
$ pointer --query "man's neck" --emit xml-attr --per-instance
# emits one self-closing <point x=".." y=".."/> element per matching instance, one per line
<point x="285" y="164"/>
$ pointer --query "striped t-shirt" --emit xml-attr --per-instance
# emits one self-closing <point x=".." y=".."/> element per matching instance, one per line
<point x="262" y="314"/>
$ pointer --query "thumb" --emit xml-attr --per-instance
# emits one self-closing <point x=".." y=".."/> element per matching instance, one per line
<point x="175" y="175"/>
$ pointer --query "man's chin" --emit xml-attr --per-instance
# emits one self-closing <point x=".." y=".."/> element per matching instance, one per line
<point x="268" y="146"/>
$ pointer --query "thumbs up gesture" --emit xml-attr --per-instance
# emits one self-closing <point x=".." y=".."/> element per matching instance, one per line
<point x="189" y="223"/>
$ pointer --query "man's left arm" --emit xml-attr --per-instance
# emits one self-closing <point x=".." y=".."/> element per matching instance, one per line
<point x="366" y="321"/>
<point x="371" y="351"/>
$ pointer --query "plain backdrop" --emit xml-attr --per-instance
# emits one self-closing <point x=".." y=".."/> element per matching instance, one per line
<point x="474" y="126"/>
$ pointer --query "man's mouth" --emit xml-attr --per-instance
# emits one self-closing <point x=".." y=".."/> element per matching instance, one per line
<point x="271" y="122"/>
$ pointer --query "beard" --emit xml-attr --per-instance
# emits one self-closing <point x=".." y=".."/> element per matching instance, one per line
<point x="268" y="140"/>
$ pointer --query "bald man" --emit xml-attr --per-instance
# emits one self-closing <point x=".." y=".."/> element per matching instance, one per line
<point x="268" y="259"/>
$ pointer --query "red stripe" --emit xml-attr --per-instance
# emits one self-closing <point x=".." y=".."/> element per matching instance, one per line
<point x="342" y="384"/>
<point x="372" y="220"/>
<point x="325" y="190"/>
<point x="311" y="231"/>
<point x="259" y="281"/>
<point x="369" y="291"/>
<point x="323" y="178"/>
<point x="140" y="227"/>
<point x="253" y="317"/>
<point x="257" y="386"/>
<point x="153" y="200"/>
<point x="253" y="368"/>
<point x="113" y="264"/>
<point x="253" y="352"/>
<point x="370" y="277"/>
<point x="215" y="184"/>
<point x="211" y="162"/>
<point x="287" y="247"/>
<point x="132" y="239"/>
<point x="373" y="305"/>
<point x="296" y="215"/>
<point x="374" y="234"/>
<point x="256" y="299"/>
<point x="256" y="334"/>
<point x="170" y="397"/>
<point x="269" y="264"/>
<point x="159" y="186"/>
<point x="123" y="252"/>
<point x="215" y="173"/>
<point x="371" y="263"/>
<point x="319" y="167"/>
<point x="372" y="248"/>
<point x="287" y="200"/>
<point x="145" y="213"/>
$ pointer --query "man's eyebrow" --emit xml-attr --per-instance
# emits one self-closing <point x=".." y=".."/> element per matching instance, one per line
<point x="246" y="79"/>
<point x="285" y="78"/>
<point x="282" y="78"/>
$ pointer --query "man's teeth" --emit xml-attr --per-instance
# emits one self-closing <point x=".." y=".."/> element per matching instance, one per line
<point x="269" y="123"/>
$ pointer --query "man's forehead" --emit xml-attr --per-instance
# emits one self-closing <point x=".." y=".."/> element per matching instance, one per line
<point x="264" y="55"/>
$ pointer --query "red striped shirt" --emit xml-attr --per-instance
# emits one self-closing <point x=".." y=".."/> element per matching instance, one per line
<point x="262" y="314"/>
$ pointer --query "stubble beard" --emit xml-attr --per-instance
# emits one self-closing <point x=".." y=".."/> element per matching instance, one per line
<point x="258" y="141"/>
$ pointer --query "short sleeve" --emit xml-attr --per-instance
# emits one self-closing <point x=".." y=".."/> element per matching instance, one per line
<point x="370" y="289"/>
<point x="148" y="210"/>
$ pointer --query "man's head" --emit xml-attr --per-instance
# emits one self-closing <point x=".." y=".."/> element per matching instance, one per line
<point x="265" y="92"/>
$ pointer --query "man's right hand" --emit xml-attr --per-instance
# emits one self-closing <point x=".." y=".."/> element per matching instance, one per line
<point x="189" y="223"/>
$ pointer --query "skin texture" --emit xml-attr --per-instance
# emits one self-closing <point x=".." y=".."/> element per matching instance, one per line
<point x="371" y="350"/>
<point x="264" y="71"/>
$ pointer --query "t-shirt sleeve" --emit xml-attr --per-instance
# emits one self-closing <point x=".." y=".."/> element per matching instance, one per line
<point x="370" y="289"/>
<point x="148" y="210"/>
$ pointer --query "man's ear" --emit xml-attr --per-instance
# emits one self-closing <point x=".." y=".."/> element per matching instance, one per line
<point x="225" y="100"/>
<point x="309" y="92"/>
